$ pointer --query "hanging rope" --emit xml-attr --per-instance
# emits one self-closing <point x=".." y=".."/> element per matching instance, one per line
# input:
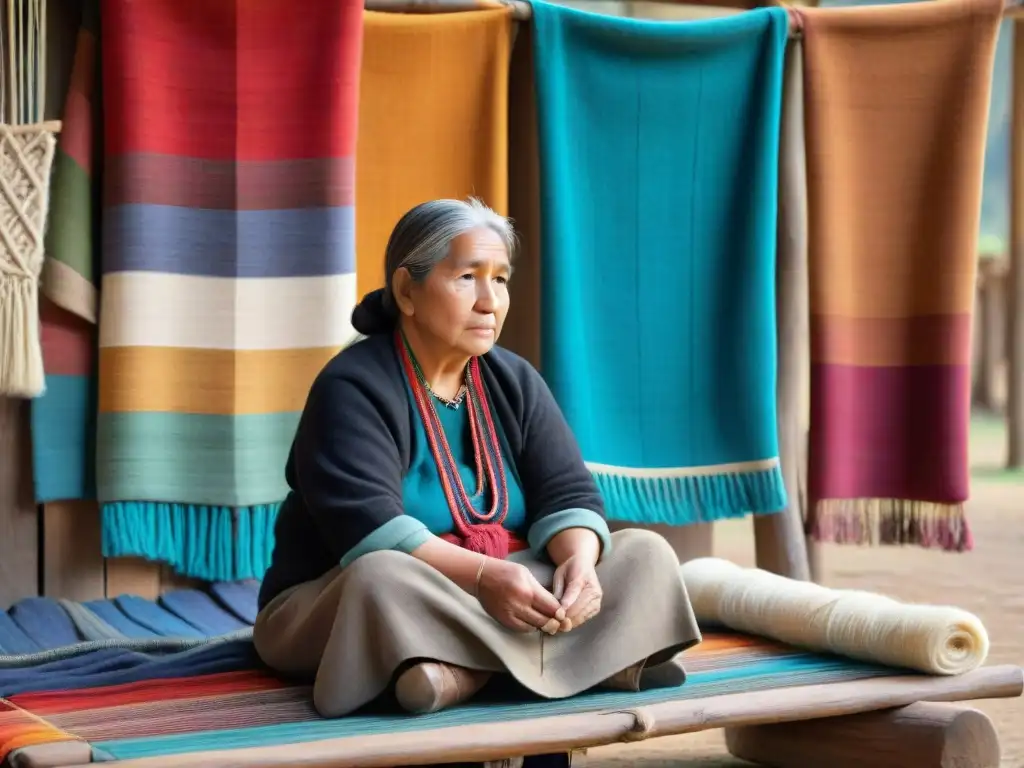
<point x="23" y="59"/>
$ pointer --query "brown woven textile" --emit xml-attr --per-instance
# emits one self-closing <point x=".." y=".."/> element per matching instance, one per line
<point x="896" y="101"/>
<point x="353" y="628"/>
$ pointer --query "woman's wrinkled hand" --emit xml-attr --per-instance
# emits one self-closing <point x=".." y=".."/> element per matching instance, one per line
<point x="515" y="599"/>
<point x="578" y="590"/>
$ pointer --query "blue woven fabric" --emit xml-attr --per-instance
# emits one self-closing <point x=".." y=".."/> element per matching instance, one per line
<point x="659" y="167"/>
<point x="155" y="618"/>
<point x="45" y="621"/>
<point x="88" y="624"/>
<point x="239" y="597"/>
<point x="116" y="666"/>
<point x="44" y="638"/>
<point x="108" y="611"/>
<point x="13" y="639"/>
<point x="201" y="611"/>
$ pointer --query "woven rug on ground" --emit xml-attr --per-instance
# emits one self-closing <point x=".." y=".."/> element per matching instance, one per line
<point x="251" y="708"/>
<point x="894" y="198"/>
<point x="228" y="264"/>
<point x="433" y="120"/>
<point x="658" y="158"/>
<point x="64" y="417"/>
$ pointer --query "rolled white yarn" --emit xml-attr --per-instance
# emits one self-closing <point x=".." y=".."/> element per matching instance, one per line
<point x="937" y="640"/>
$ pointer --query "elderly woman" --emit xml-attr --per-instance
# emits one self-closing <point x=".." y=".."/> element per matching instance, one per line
<point x="442" y="525"/>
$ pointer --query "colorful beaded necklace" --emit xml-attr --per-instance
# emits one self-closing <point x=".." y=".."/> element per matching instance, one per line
<point x="489" y="467"/>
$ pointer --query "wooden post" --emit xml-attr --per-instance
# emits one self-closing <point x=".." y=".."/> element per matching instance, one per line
<point x="779" y="540"/>
<point x="521" y="332"/>
<point x="19" y="521"/>
<point x="990" y="344"/>
<point x="1015" y="283"/>
<point x="520" y="9"/>
<point x="72" y="551"/>
<point x="133" y="576"/>
<point x="922" y="735"/>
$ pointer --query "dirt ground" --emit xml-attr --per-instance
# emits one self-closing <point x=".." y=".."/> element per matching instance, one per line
<point x="988" y="581"/>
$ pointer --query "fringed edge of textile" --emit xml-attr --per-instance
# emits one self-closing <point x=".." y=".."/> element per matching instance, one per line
<point x="685" y="498"/>
<point x="21" y="349"/>
<point x="928" y="524"/>
<point x="203" y="542"/>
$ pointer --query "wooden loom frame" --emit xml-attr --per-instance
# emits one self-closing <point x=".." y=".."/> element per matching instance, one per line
<point x="913" y="731"/>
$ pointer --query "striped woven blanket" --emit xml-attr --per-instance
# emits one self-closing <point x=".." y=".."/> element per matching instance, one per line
<point x="893" y="204"/>
<point x="251" y="708"/>
<point x="228" y="264"/>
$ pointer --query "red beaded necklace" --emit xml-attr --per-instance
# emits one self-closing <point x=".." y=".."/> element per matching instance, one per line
<point x="478" y="531"/>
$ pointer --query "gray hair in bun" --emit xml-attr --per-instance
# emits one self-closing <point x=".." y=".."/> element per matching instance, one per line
<point x="422" y="238"/>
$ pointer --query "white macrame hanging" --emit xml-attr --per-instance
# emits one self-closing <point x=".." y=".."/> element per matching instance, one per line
<point x="26" y="157"/>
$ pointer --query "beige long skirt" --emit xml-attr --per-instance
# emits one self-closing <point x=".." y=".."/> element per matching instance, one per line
<point x="353" y="628"/>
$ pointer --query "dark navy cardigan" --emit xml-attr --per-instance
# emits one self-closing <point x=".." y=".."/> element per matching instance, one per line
<point x="352" y="449"/>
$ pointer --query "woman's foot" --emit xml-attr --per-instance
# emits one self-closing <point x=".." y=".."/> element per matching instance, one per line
<point x="432" y="686"/>
<point x="626" y="680"/>
<point x="667" y="675"/>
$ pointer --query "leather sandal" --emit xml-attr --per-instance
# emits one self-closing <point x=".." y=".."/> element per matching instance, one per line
<point x="667" y="675"/>
<point x="432" y="686"/>
<point x="626" y="680"/>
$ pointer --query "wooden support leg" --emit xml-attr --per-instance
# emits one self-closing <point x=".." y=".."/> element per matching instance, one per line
<point x="922" y="735"/>
<point x="52" y="755"/>
<point x="1015" y="278"/>
<point x="991" y="347"/>
<point x="779" y="543"/>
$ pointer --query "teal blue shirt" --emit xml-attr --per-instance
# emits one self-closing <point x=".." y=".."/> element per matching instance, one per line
<point x="426" y="509"/>
<point x="422" y="491"/>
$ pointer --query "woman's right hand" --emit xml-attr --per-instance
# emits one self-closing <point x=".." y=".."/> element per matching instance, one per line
<point x="515" y="599"/>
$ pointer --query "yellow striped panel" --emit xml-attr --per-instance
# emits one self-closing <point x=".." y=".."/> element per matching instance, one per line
<point x="208" y="381"/>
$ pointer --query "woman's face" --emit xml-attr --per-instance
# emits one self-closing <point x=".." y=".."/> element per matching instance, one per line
<point x="462" y="303"/>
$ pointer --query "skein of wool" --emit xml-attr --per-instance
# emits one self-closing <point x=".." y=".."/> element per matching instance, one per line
<point x="937" y="640"/>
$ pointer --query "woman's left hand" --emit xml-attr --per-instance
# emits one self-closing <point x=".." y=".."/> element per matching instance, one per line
<point x="577" y="588"/>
